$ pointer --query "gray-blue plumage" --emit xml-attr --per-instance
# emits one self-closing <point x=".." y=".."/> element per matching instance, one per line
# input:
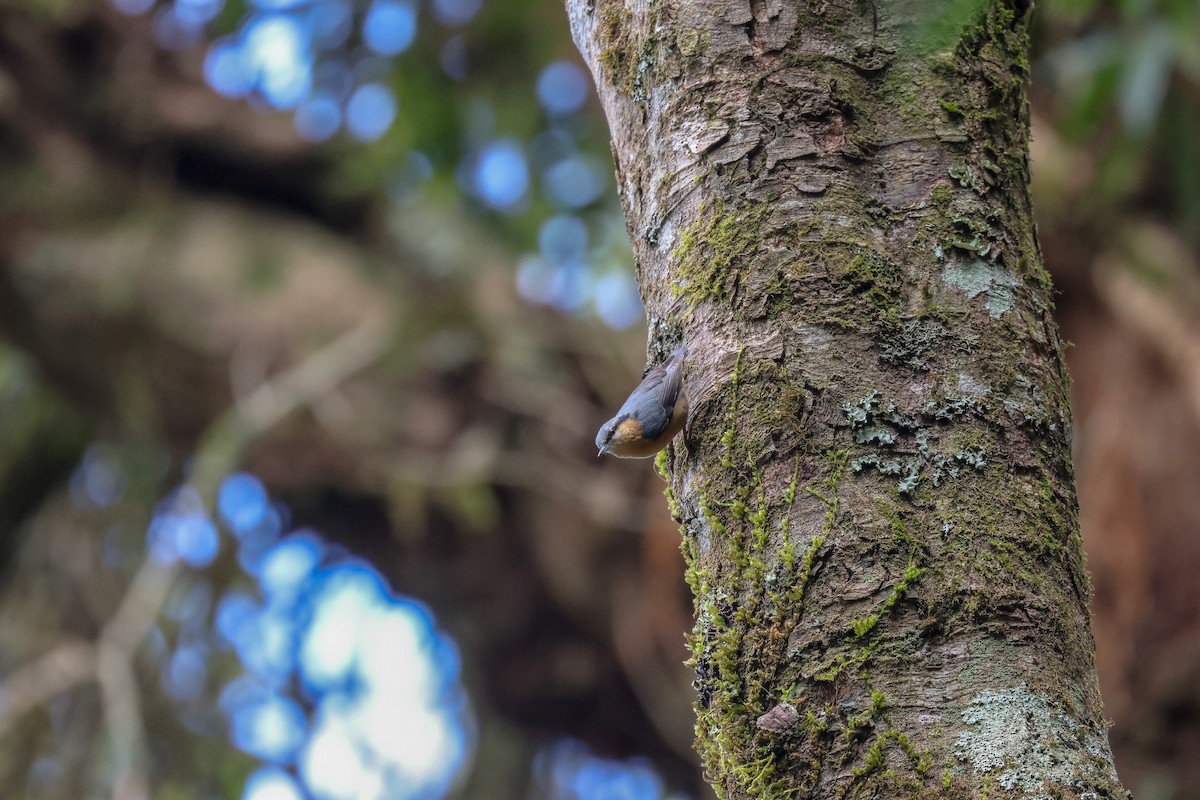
<point x="652" y="402"/>
<point x="654" y="413"/>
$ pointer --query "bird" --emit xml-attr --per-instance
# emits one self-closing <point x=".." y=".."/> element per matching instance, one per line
<point x="655" y="411"/>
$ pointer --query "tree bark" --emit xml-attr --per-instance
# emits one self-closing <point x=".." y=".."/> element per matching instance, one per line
<point x="829" y="202"/>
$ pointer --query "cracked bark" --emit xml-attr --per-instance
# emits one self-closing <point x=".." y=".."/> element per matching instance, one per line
<point x="829" y="202"/>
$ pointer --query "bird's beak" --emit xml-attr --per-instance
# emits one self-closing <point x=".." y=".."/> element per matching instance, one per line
<point x="603" y="450"/>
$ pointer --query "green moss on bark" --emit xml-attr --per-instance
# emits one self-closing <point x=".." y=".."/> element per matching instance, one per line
<point x="713" y="254"/>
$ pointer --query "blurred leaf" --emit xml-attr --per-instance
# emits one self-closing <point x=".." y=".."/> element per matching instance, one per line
<point x="475" y="505"/>
<point x="1181" y="138"/>
<point x="940" y="25"/>
<point x="1144" y="79"/>
<point x="1068" y="11"/>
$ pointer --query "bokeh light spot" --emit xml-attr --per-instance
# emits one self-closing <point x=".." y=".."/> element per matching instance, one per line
<point x="254" y="544"/>
<point x="318" y="118"/>
<point x="502" y="175"/>
<point x="180" y="530"/>
<point x="370" y="112"/>
<point x="225" y="69"/>
<point x="617" y="300"/>
<point x="455" y="12"/>
<point x="275" y="53"/>
<point x="332" y="763"/>
<point x="575" y="182"/>
<point x="186" y="672"/>
<point x="453" y="58"/>
<point x="99" y="480"/>
<point x="278" y="5"/>
<point x="395" y="652"/>
<point x="562" y="87"/>
<point x="266" y="645"/>
<point x="535" y="279"/>
<point x="196" y="14"/>
<point x="272" y="728"/>
<point x="242" y="502"/>
<point x="574" y="772"/>
<point x="563" y="237"/>
<point x="332" y="22"/>
<point x="390" y="26"/>
<point x="286" y="568"/>
<point x="571" y="286"/>
<point x="341" y="606"/>
<point x="234" y="610"/>
<point x="196" y="540"/>
<point x="271" y="783"/>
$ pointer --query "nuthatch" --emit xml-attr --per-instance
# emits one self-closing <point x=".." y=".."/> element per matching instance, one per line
<point x="652" y="415"/>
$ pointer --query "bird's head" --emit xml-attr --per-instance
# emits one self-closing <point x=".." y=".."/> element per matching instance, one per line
<point x="618" y="432"/>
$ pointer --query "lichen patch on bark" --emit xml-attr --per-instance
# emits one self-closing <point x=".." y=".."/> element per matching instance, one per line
<point x="974" y="278"/>
<point x="1025" y="743"/>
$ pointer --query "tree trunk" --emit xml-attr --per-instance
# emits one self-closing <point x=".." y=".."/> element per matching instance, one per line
<point x="829" y="202"/>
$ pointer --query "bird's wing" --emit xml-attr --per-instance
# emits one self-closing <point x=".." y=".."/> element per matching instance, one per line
<point x="654" y="400"/>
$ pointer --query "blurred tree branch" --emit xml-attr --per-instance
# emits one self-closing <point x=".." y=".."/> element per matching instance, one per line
<point x="67" y="665"/>
<point x="109" y="661"/>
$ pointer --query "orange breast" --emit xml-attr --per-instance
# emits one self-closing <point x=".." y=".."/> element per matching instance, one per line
<point x="636" y="447"/>
<point x="629" y="430"/>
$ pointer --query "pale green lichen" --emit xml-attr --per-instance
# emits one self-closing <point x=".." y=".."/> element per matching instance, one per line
<point x="977" y="277"/>
<point x="882" y="424"/>
<point x="1026" y="743"/>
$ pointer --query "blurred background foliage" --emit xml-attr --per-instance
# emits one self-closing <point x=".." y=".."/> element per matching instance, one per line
<point x="309" y="310"/>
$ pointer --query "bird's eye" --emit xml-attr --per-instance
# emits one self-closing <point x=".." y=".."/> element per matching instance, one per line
<point x="608" y="436"/>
